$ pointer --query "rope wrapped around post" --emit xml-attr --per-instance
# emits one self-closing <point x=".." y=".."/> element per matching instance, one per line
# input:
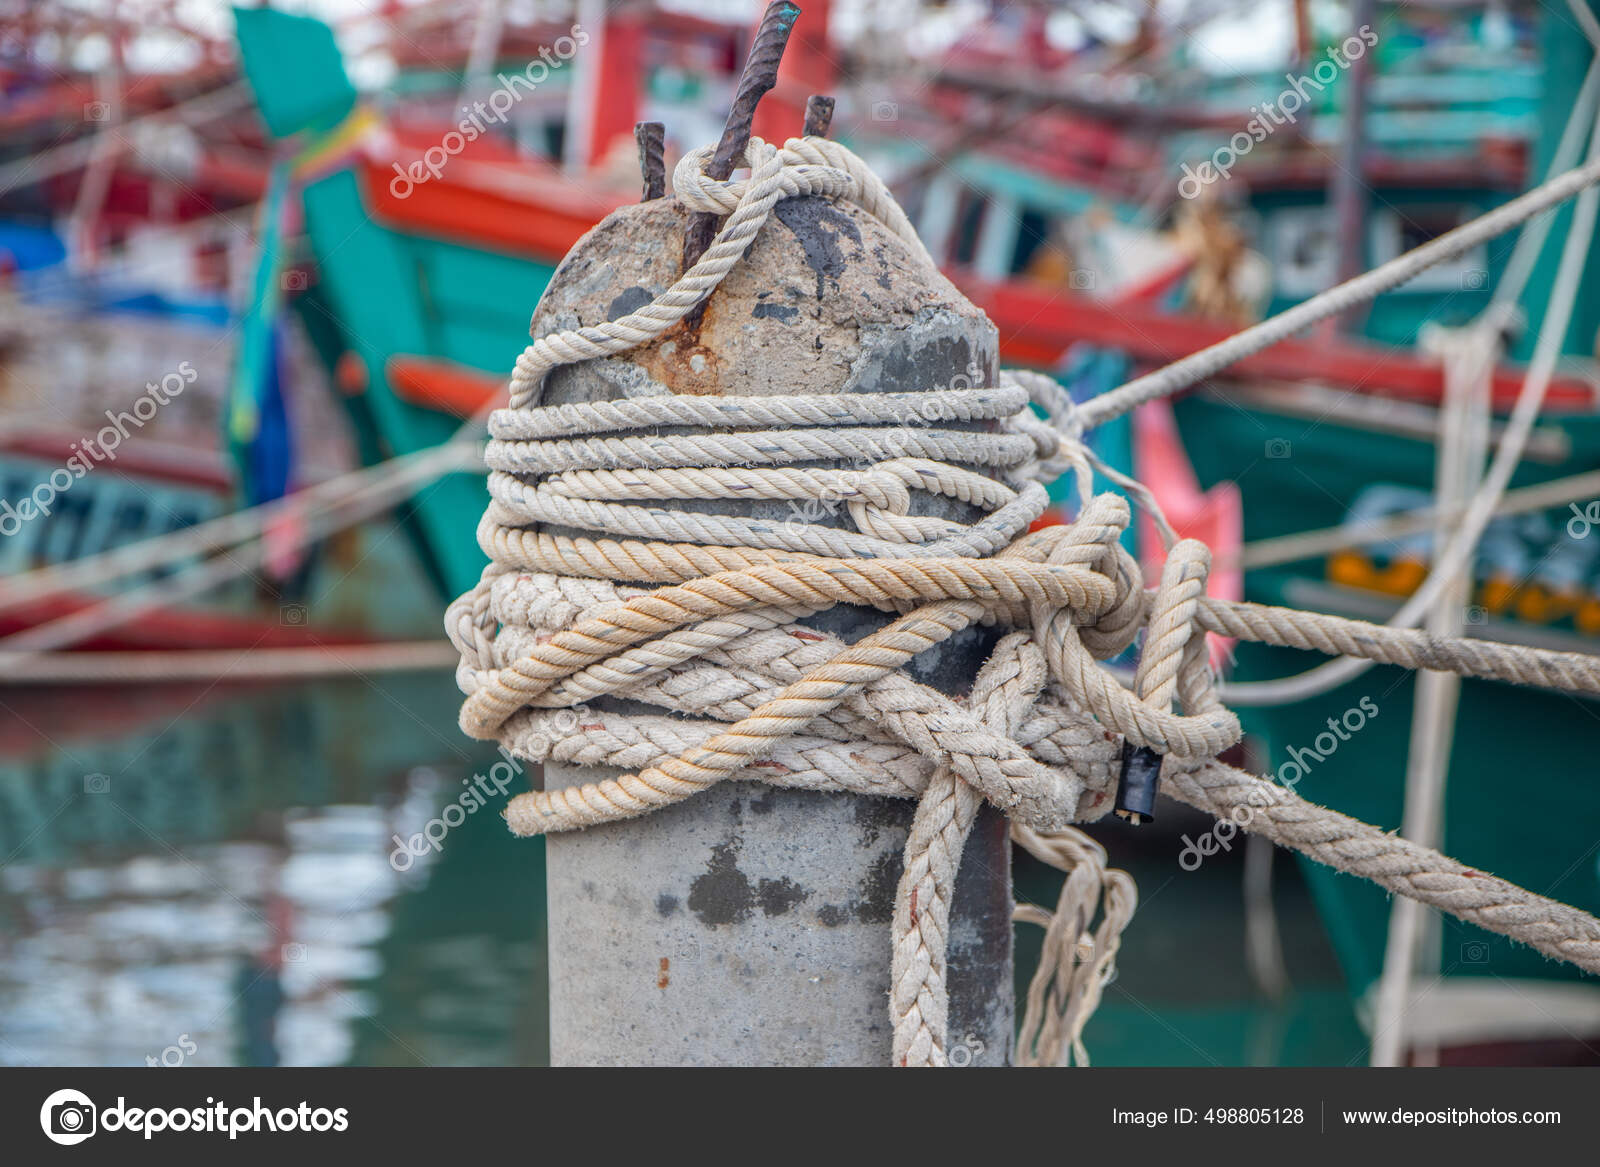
<point x="697" y="614"/>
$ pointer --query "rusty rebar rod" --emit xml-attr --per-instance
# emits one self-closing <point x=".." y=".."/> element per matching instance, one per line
<point x="760" y="75"/>
<point x="819" y="116"/>
<point x="651" y="138"/>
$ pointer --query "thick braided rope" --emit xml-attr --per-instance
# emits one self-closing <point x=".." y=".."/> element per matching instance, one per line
<point x="1571" y="672"/>
<point x="1077" y="961"/>
<point x="721" y="640"/>
<point x="1172" y="626"/>
<point x="764" y="448"/>
<point x="798" y="411"/>
<point x="887" y="525"/>
<point x="782" y="719"/>
<point x="1005" y="689"/>
<point x="1392" y="862"/>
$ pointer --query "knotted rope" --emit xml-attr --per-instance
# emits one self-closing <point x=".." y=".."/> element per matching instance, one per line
<point x="701" y="615"/>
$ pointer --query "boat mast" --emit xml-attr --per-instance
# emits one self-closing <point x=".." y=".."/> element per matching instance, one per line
<point x="1347" y="185"/>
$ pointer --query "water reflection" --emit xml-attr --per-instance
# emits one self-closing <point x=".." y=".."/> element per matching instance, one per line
<point x="214" y="887"/>
<point x="194" y="877"/>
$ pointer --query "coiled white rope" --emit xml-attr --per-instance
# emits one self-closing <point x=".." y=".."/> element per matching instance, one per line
<point x="702" y="616"/>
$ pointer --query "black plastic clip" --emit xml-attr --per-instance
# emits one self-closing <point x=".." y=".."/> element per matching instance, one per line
<point x="1136" y="791"/>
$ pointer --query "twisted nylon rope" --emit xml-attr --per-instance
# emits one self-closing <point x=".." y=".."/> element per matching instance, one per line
<point x="701" y="615"/>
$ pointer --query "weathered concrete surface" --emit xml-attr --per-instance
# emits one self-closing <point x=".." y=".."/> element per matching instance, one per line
<point x="818" y="306"/>
<point x="750" y="925"/>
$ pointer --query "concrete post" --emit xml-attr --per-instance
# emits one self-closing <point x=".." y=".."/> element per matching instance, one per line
<point x="750" y="925"/>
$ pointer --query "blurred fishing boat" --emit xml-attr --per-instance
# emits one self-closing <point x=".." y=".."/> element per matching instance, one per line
<point x="133" y="415"/>
<point x="1045" y="188"/>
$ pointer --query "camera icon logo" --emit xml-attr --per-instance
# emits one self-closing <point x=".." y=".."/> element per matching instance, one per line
<point x="1082" y="280"/>
<point x="1475" y="952"/>
<point x="96" y="783"/>
<point x="1475" y="280"/>
<point x="293" y="615"/>
<point x="294" y="281"/>
<point x="96" y="111"/>
<point x="1279" y="448"/>
<point x="68" y="1117"/>
<point x="885" y="111"/>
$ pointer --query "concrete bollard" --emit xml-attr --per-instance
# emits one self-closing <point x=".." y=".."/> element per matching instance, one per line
<point x="750" y="925"/>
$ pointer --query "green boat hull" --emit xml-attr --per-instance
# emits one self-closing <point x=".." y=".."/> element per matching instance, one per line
<point x="1509" y="743"/>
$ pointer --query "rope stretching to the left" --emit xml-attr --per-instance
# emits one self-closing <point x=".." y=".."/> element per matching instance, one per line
<point x="699" y="614"/>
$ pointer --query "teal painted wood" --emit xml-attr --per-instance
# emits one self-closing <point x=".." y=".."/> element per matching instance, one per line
<point x="1503" y="733"/>
<point x="1566" y="57"/>
<point x="396" y="295"/>
<point x="385" y="293"/>
<point x="295" y="69"/>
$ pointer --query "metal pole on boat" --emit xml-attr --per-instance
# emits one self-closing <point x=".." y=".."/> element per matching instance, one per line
<point x="583" y="90"/>
<point x="1347" y="186"/>
<point x="750" y="925"/>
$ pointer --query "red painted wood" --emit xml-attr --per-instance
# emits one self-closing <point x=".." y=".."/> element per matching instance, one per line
<point x="492" y="205"/>
<point x="164" y="463"/>
<point x="617" y="96"/>
<point x="176" y="628"/>
<point x="1156" y="285"/>
<point x="441" y="385"/>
